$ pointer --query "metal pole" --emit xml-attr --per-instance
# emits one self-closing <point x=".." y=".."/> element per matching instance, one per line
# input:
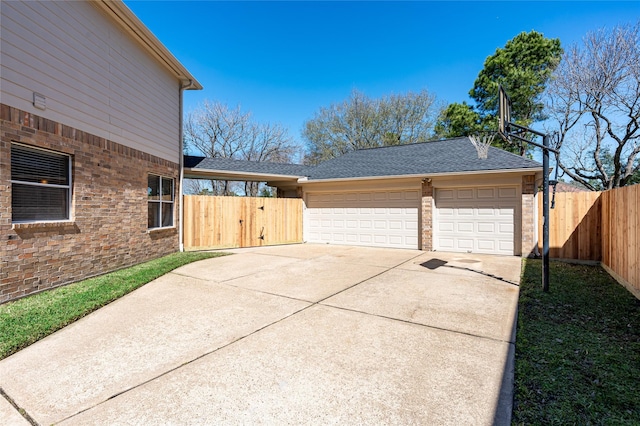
<point x="545" y="209"/>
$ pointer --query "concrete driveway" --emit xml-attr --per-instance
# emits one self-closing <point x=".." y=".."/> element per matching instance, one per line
<point x="298" y="334"/>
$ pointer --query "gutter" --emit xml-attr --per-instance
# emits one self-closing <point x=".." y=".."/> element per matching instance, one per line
<point x="183" y="87"/>
<point x="421" y="176"/>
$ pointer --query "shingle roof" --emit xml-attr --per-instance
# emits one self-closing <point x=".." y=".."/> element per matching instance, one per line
<point x="445" y="156"/>
<point x="263" y="167"/>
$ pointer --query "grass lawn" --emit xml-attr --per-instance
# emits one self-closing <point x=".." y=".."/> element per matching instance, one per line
<point x="577" y="349"/>
<point x="28" y="320"/>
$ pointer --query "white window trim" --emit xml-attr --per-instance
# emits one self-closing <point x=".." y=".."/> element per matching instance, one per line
<point x="67" y="187"/>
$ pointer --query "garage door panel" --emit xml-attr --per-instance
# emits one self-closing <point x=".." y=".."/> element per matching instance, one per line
<point x="476" y="219"/>
<point x="380" y="224"/>
<point x="465" y="243"/>
<point x="505" y="228"/>
<point x="376" y="218"/>
<point x="446" y="226"/>
<point x="489" y="245"/>
<point x="446" y="243"/>
<point x="465" y="227"/>
<point x="395" y="240"/>
<point x="446" y="211"/>
<point x="486" y="227"/>
<point x="411" y="225"/>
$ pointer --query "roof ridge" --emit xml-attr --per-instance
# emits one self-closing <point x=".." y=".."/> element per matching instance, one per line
<point x="409" y="144"/>
<point x="245" y="161"/>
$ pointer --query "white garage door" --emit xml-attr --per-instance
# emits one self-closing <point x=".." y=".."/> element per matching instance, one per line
<point x="373" y="218"/>
<point x="476" y="220"/>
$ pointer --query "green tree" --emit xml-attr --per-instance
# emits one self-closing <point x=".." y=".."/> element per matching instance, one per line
<point x="361" y="122"/>
<point x="458" y="120"/>
<point x="523" y="67"/>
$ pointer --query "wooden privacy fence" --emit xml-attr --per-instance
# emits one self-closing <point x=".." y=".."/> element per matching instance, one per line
<point x="621" y="234"/>
<point x="598" y="226"/>
<point x="227" y="222"/>
<point x="574" y="226"/>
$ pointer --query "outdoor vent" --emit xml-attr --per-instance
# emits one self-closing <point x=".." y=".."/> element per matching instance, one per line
<point x="39" y="101"/>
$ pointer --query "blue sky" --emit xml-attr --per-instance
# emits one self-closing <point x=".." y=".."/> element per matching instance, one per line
<point x="285" y="60"/>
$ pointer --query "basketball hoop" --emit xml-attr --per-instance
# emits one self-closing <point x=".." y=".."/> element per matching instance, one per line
<point x="482" y="143"/>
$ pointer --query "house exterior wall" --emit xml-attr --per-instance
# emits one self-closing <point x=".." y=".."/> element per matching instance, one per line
<point x="108" y="226"/>
<point x="110" y="105"/>
<point x="94" y="77"/>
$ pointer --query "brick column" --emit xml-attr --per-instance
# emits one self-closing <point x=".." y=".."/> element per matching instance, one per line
<point x="426" y="225"/>
<point x="529" y="240"/>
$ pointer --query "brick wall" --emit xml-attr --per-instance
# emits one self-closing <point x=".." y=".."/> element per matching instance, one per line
<point x="108" y="226"/>
<point x="426" y="222"/>
<point x="529" y="241"/>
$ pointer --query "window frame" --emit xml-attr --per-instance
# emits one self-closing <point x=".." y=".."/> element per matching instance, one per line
<point x="160" y="202"/>
<point x="68" y="187"/>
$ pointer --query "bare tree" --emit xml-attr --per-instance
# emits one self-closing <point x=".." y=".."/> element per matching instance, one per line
<point x="216" y="131"/>
<point x="594" y="101"/>
<point x="361" y="122"/>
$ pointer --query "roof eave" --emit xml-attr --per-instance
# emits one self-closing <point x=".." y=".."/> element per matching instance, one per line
<point x="121" y="14"/>
<point x="425" y="175"/>
<point x="198" y="173"/>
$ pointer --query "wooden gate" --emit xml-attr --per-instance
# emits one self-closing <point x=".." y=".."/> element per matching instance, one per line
<point x="229" y="222"/>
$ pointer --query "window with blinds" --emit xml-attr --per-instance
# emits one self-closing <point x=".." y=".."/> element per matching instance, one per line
<point x="160" y="202"/>
<point x="40" y="184"/>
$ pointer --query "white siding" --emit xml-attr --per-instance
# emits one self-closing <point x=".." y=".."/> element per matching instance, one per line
<point x="94" y="77"/>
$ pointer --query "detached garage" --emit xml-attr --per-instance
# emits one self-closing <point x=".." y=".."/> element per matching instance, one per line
<point x="435" y="195"/>
<point x="431" y="196"/>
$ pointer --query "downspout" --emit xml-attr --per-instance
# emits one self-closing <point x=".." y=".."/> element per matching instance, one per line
<point x="181" y="164"/>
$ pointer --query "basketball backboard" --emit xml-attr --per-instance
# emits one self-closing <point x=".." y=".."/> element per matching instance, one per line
<point x="504" y="112"/>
